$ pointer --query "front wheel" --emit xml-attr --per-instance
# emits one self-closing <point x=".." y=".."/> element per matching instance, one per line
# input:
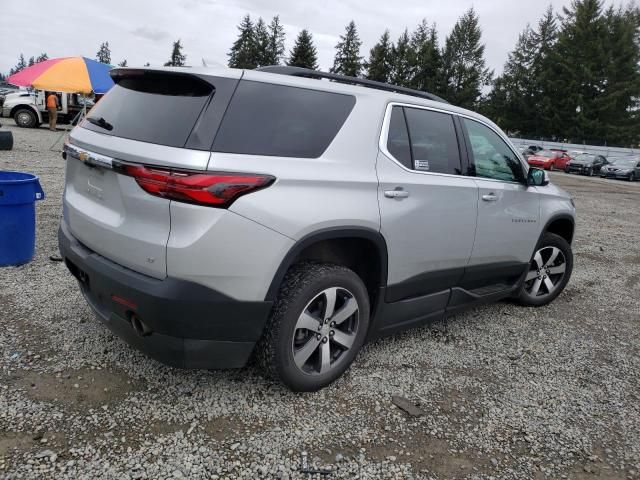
<point x="317" y="326"/>
<point x="549" y="271"/>
<point x="25" y="118"/>
<point x="632" y="177"/>
<point x="552" y="167"/>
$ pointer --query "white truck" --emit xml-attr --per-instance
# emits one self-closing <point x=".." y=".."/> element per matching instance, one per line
<point x="28" y="107"/>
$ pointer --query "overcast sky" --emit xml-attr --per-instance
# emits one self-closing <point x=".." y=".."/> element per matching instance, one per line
<point x="143" y="30"/>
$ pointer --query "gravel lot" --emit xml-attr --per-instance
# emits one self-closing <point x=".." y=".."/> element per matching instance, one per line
<point x="505" y="392"/>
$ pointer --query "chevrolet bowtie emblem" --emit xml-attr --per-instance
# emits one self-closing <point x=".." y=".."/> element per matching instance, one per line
<point x="83" y="156"/>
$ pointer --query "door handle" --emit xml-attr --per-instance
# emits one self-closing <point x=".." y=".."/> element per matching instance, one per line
<point x="490" y="197"/>
<point x="397" y="193"/>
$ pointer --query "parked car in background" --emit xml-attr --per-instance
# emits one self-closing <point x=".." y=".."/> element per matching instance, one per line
<point x="549" y="159"/>
<point x="586" y="164"/>
<point x="527" y="150"/>
<point x="626" y="168"/>
<point x="28" y="108"/>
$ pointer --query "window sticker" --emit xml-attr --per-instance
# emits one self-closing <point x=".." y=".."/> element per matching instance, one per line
<point x="422" y="165"/>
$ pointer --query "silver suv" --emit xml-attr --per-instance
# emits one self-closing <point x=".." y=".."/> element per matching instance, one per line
<point x="212" y="216"/>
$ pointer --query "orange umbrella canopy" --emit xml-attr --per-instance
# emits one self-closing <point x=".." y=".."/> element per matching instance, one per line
<point x="67" y="74"/>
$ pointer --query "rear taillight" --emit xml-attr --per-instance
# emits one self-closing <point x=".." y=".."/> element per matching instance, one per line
<point x="212" y="189"/>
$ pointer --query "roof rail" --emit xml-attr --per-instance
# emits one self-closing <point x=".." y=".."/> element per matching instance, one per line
<point x="308" y="73"/>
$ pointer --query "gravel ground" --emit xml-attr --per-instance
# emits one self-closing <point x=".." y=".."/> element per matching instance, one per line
<point x="505" y="392"/>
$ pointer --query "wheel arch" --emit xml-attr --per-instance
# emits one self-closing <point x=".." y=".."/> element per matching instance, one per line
<point x="26" y="106"/>
<point x="335" y="245"/>
<point x="562" y="225"/>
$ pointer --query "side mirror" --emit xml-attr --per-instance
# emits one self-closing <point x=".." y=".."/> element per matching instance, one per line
<point x="537" y="177"/>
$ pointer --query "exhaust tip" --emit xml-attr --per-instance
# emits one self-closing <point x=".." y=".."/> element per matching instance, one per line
<point x="139" y="326"/>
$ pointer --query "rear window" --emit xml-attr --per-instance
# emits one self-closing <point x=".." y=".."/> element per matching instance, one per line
<point x="277" y="120"/>
<point x="154" y="107"/>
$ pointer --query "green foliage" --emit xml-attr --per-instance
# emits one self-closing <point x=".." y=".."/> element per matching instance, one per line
<point x="348" y="60"/>
<point x="426" y="60"/>
<point x="380" y="61"/>
<point x="464" y="67"/>
<point x="579" y="80"/>
<point x="104" y="53"/>
<point x="177" y="58"/>
<point x="123" y="63"/>
<point x="304" y="53"/>
<point x="274" y="51"/>
<point x="402" y="55"/>
<point x="244" y="52"/>
<point x="21" y="65"/>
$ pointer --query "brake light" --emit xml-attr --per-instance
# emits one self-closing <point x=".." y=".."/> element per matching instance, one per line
<point x="212" y="189"/>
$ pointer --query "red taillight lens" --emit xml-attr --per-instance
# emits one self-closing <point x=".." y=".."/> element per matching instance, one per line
<point x="213" y="189"/>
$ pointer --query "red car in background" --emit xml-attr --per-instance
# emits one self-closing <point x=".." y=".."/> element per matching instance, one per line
<point x="549" y="159"/>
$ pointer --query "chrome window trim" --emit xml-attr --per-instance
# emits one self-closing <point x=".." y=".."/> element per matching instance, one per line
<point x="384" y="134"/>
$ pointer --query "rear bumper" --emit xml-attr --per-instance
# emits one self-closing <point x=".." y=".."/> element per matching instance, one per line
<point x="187" y="325"/>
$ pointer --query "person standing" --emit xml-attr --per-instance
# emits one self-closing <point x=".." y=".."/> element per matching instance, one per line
<point x="52" y="107"/>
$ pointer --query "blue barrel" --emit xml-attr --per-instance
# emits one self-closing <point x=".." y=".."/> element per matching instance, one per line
<point x="18" y="194"/>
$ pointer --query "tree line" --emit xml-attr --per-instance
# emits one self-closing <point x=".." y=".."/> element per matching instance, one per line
<point x="574" y="76"/>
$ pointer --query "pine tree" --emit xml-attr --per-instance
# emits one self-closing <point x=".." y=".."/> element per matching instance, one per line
<point x="464" y="66"/>
<point x="244" y="49"/>
<point x="426" y="60"/>
<point x="275" y="45"/>
<point x="304" y="53"/>
<point x="261" y="43"/>
<point x="21" y="65"/>
<point x="619" y="104"/>
<point x="104" y="53"/>
<point x="123" y="63"/>
<point x="32" y="61"/>
<point x="379" y="65"/>
<point x="516" y="87"/>
<point x="348" y="60"/>
<point x="547" y="121"/>
<point x="177" y="59"/>
<point x="401" y="62"/>
<point x="42" y="57"/>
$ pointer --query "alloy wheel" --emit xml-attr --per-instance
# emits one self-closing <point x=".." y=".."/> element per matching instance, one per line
<point x="325" y="331"/>
<point x="545" y="272"/>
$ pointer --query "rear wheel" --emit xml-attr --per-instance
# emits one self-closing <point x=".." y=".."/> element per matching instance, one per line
<point x="318" y="324"/>
<point x="549" y="271"/>
<point x="25" y="118"/>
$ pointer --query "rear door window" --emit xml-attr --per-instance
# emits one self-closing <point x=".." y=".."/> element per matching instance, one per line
<point x="154" y="107"/>
<point x="398" y="138"/>
<point x="278" y="120"/>
<point x="434" y="144"/>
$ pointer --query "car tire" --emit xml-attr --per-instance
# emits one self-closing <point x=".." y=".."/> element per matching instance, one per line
<point x="302" y="301"/>
<point x="566" y="170"/>
<point x="6" y="140"/>
<point x="590" y="172"/>
<point x="552" y="167"/>
<point x="632" y="177"/>
<point x="543" y="270"/>
<point x="25" y="118"/>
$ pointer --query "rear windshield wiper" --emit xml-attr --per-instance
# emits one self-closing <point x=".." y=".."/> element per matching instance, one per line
<point x="100" y="122"/>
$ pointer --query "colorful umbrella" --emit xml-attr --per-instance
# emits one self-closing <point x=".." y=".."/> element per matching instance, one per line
<point x="67" y="74"/>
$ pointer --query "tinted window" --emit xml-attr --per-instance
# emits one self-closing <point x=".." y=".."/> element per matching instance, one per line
<point x="154" y="107"/>
<point x="434" y="144"/>
<point x="266" y="119"/>
<point x="491" y="156"/>
<point x="398" y="139"/>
